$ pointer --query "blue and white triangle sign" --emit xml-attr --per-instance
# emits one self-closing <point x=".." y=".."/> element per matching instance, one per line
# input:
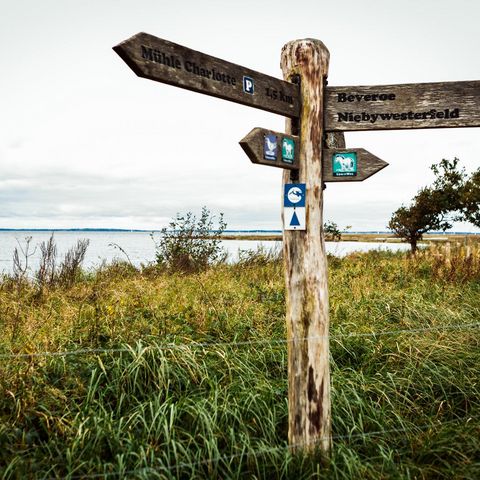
<point x="294" y="218"/>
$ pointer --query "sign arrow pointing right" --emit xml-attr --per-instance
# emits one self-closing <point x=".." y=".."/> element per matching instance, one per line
<point x="350" y="165"/>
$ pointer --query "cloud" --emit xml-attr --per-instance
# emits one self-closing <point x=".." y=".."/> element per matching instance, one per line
<point x="87" y="143"/>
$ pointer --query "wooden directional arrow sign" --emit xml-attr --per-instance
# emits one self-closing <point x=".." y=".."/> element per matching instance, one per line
<point x="157" y="59"/>
<point x="271" y="148"/>
<point x="274" y="149"/>
<point x="416" y="105"/>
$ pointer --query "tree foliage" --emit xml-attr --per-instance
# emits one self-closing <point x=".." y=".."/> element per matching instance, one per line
<point x="189" y="244"/>
<point x="451" y="197"/>
<point x="470" y="200"/>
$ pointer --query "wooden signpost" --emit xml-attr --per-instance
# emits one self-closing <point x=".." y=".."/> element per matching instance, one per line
<point x="312" y="151"/>
<point x="265" y="147"/>
<point x="307" y="312"/>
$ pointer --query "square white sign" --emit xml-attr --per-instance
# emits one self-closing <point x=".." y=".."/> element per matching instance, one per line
<point x="294" y="218"/>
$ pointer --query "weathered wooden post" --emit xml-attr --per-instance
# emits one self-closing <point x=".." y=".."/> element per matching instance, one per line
<point x="306" y="61"/>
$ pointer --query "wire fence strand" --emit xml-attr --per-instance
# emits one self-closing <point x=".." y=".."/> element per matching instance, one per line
<point x="286" y="448"/>
<point x="181" y="346"/>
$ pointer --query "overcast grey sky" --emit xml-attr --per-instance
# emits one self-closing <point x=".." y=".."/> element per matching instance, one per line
<point x="86" y="143"/>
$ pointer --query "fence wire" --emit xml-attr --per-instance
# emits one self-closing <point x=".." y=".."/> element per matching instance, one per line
<point x="181" y="346"/>
<point x="285" y="448"/>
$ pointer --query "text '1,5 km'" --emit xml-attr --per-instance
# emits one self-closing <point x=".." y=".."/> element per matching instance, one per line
<point x="157" y="59"/>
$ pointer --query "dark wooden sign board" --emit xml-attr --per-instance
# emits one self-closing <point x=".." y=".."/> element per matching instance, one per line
<point x="163" y="61"/>
<point x="416" y="105"/>
<point x="367" y="163"/>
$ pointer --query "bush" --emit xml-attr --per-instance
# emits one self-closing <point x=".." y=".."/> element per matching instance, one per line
<point x="332" y="232"/>
<point x="191" y="245"/>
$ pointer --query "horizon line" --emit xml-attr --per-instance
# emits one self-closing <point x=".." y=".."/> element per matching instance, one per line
<point x="139" y="230"/>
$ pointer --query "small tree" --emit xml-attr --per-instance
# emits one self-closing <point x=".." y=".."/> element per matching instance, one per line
<point x="411" y="223"/>
<point x="432" y="206"/>
<point x="190" y="245"/>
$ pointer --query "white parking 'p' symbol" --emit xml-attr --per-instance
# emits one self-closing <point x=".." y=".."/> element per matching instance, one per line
<point x="248" y="85"/>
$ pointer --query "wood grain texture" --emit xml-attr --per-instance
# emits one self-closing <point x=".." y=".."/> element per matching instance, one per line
<point x="305" y="260"/>
<point x="163" y="61"/>
<point x="416" y="105"/>
<point x="367" y="163"/>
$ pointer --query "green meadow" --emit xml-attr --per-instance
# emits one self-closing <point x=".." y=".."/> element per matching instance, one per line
<point x="156" y="374"/>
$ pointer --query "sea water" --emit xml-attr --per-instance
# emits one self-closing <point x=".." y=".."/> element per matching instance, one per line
<point x="139" y="247"/>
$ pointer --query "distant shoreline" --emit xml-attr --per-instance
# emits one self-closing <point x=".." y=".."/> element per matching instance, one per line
<point x="271" y="235"/>
<point x="368" y="237"/>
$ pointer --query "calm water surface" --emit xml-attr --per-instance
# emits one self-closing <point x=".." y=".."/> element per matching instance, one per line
<point x="140" y="247"/>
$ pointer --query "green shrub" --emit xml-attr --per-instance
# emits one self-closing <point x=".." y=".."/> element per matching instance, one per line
<point x="191" y="245"/>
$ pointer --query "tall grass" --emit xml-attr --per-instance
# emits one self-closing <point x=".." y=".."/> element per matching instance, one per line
<point x="405" y="405"/>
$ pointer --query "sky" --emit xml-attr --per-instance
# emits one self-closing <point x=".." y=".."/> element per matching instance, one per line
<point x="85" y="143"/>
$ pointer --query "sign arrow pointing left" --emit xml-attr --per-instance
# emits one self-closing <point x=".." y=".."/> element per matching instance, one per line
<point x="164" y="61"/>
